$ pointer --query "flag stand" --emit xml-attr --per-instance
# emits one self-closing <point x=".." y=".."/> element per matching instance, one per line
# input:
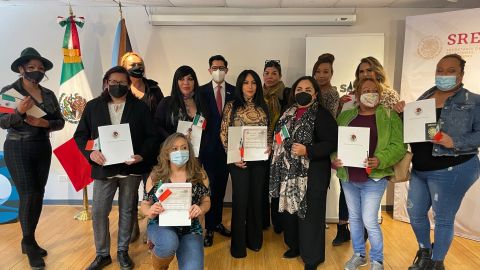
<point x="84" y="215"/>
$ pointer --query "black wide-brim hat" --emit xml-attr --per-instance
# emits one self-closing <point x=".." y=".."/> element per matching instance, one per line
<point x="27" y="55"/>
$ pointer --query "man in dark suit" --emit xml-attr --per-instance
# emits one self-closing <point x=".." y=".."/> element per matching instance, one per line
<point x="214" y="159"/>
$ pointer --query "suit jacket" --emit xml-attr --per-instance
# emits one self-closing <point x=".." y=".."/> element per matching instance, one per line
<point x="212" y="132"/>
<point x="144" y="139"/>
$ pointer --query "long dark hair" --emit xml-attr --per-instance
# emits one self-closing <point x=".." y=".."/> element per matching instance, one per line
<point x="239" y="99"/>
<point x="117" y="69"/>
<point x="176" y="102"/>
<point x="291" y="98"/>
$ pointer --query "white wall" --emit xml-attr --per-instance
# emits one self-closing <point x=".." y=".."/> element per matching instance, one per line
<point x="166" y="48"/>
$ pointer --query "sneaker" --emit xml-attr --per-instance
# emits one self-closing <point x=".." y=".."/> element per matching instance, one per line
<point x="374" y="265"/>
<point x="355" y="262"/>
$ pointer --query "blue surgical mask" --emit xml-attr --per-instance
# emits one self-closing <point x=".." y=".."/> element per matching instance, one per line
<point x="179" y="157"/>
<point x="445" y="83"/>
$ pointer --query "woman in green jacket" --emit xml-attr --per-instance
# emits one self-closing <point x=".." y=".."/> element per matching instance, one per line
<point x="364" y="188"/>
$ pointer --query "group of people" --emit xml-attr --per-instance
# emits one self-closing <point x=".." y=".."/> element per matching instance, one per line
<point x="289" y="189"/>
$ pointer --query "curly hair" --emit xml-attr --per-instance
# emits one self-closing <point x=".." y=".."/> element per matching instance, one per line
<point x="162" y="171"/>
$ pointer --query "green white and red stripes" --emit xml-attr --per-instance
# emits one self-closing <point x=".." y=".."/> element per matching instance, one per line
<point x="282" y="135"/>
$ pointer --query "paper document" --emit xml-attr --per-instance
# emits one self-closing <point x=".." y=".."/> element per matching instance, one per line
<point x="116" y="143"/>
<point x="247" y="143"/>
<point x="35" y="111"/>
<point x="177" y="204"/>
<point x="416" y="116"/>
<point x="193" y="132"/>
<point x="353" y="146"/>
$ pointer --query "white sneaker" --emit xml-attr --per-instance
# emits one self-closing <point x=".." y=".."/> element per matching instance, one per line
<point x="355" y="262"/>
<point x="374" y="265"/>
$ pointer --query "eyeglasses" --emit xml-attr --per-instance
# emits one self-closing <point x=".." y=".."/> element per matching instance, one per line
<point x="274" y="61"/>
<point x="218" y="68"/>
<point x="115" y="82"/>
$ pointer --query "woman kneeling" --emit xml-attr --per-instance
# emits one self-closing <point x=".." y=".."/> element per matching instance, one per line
<point x="177" y="164"/>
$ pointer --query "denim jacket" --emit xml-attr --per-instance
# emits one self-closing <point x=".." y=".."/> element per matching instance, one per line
<point x="460" y="119"/>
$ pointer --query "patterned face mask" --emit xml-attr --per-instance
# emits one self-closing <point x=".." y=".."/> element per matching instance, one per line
<point x="370" y="99"/>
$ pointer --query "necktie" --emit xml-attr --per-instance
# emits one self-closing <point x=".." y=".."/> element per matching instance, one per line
<point x="218" y="98"/>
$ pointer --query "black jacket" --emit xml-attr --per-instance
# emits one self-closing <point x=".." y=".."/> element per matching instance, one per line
<point x="19" y="129"/>
<point x="144" y="139"/>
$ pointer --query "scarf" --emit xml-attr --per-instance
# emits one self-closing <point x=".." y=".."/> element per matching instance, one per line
<point x="271" y="96"/>
<point x="289" y="173"/>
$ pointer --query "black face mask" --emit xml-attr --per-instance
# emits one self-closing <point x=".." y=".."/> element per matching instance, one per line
<point x="303" y="98"/>
<point x="117" y="90"/>
<point x="34" y="76"/>
<point x="136" y="72"/>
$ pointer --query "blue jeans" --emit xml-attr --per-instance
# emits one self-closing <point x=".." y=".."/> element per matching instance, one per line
<point x="363" y="201"/>
<point x="443" y="190"/>
<point x="188" y="247"/>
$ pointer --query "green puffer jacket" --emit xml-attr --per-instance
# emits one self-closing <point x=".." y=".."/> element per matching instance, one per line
<point x="390" y="147"/>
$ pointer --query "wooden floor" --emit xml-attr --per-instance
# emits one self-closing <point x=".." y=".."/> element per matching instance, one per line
<point x="70" y="246"/>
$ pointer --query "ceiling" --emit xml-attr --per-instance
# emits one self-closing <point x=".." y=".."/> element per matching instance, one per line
<point x="259" y="3"/>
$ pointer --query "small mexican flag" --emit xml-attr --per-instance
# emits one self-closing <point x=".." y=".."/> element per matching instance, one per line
<point x="199" y="121"/>
<point x="282" y="135"/>
<point x="7" y="104"/>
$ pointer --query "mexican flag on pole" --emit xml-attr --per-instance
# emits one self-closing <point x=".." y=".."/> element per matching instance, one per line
<point x="73" y="95"/>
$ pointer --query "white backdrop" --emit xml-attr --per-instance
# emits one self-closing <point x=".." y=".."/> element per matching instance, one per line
<point x="167" y="47"/>
<point x="348" y="49"/>
<point x="427" y="39"/>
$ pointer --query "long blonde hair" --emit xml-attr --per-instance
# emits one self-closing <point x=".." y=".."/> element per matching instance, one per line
<point x="377" y="68"/>
<point x="162" y="171"/>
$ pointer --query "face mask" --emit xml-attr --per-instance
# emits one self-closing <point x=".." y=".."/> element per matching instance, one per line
<point x="218" y="75"/>
<point x="117" y="90"/>
<point x="369" y="99"/>
<point x="34" y="76"/>
<point x="303" y="98"/>
<point x="179" y="157"/>
<point x="445" y="83"/>
<point x="136" y="72"/>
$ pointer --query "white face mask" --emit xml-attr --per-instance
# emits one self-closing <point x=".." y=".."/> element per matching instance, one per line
<point x="369" y="99"/>
<point x="218" y="76"/>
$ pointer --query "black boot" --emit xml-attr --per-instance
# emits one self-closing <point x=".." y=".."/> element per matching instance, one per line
<point x="343" y="235"/>
<point x="34" y="247"/>
<point x="435" y="265"/>
<point x="422" y="259"/>
<point x="34" y="258"/>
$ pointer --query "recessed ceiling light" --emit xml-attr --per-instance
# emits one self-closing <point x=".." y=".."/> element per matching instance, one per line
<point x="453" y="1"/>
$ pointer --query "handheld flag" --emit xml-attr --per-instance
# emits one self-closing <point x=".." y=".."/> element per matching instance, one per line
<point x="282" y="135"/>
<point x="7" y="104"/>
<point x="199" y="121"/>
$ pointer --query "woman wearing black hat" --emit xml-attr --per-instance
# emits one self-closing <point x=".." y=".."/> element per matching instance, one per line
<point x="27" y="148"/>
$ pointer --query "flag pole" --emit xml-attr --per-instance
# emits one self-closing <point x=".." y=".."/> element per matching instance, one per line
<point x="84" y="215"/>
